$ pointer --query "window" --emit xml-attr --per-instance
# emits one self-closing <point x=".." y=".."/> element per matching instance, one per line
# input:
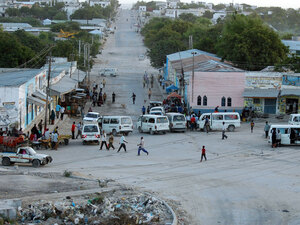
<point x="229" y="102"/>
<point x="114" y="121"/>
<point x="106" y="121"/>
<point x="151" y="120"/>
<point x="231" y="117"/>
<point x="162" y="120"/>
<point x="125" y="120"/>
<point x="199" y="100"/>
<point x="217" y="117"/>
<point x="204" y="100"/>
<point x="223" y="101"/>
<point x="256" y="101"/>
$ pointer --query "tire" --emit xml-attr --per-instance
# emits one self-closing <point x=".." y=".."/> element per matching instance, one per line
<point x="66" y="141"/>
<point x="36" y="163"/>
<point x="84" y="142"/>
<point x="140" y="129"/>
<point x="6" y="161"/>
<point x="126" y="133"/>
<point x="114" y="132"/>
<point x="164" y="132"/>
<point x="151" y="132"/>
<point x="231" y="128"/>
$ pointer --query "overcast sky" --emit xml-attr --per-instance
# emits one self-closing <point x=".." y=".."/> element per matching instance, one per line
<point x="281" y="3"/>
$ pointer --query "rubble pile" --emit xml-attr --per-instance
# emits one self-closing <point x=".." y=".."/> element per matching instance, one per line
<point x="111" y="208"/>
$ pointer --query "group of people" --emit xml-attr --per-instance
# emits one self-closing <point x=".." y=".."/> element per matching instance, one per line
<point x="101" y="97"/>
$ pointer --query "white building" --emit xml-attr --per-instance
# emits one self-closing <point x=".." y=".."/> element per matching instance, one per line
<point x="218" y="15"/>
<point x="172" y="4"/>
<point x="142" y="8"/>
<point x="102" y="3"/>
<point x="294" y="46"/>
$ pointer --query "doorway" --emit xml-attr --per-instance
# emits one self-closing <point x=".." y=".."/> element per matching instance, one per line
<point x="291" y="105"/>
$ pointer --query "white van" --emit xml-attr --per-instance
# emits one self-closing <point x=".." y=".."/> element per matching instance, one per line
<point x="158" y="108"/>
<point x="108" y="72"/>
<point x="294" y="119"/>
<point x="177" y="121"/>
<point x="290" y="134"/>
<point x="90" y="133"/>
<point x="153" y="124"/>
<point x="116" y="124"/>
<point x="231" y="119"/>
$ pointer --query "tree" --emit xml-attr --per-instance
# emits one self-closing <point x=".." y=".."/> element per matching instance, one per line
<point x="219" y="7"/>
<point x="208" y="14"/>
<point x="250" y="44"/>
<point x="188" y="17"/>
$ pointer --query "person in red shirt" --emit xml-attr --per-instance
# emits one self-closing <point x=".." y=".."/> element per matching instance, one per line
<point x="203" y="153"/>
<point x="193" y="122"/>
<point x="73" y="130"/>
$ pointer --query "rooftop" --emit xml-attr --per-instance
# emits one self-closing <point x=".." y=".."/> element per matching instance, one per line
<point x="18" y="77"/>
<point x="188" y="54"/>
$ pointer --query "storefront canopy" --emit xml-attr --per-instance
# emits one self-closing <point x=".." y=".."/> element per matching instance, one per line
<point x="174" y="95"/>
<point x="36" y="101"/>
<point x="171" y="88"/>
<point x="291" y="92"/>
<point x="64" y="86"/>
<point x="261" y="93"/>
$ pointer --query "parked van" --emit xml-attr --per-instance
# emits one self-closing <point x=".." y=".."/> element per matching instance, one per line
<point x="90" y="133"/>
<point x="116" y="124"/>
<point x="153" y="124"/>
<point x="232" y="120"/>
<point x="294" y="119"/>
<point x="158" y="108"/>
<point x="177" y="121"/>
<point x="290" y="134"/>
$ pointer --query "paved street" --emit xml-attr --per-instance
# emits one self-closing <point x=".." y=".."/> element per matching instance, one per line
<point x="243" y="181"/>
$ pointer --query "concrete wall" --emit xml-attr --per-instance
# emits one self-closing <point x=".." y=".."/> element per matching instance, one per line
<point x="215" y="85"/>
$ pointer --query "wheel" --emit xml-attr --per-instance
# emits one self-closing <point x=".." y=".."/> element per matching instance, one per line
<point x="164" y="132"/>
<point x="84" y="142"/>
<point x="231" y="128"/>
<point x="6" y="161"/>
<point x="114" y="132"/>
<point x="126" y="133"/>
<point x="140" y="129"/>
<point x="36" y="163"/>
<point x="151" y="132"/>
<point x="66" y="141"/>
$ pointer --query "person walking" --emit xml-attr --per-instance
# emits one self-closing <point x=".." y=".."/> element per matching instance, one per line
<point x="122" y="143"/>
<point x="57" y="109"/>
<point x="104" y="97"/>
<point x="149" y="93"/>
<point x="103" y="141"/>
<point x="223" y="131"/>
<point x="101" y="86"/>
<point x="143" y="110"/>
<point x="111" y="142"/>
<point x="79" y="130"/>
<point x="54" y="140"/>
<point x="40" y="125"/>
<point x="62" y="111"/>
<point x="133" y="98"/>
<point x="188" y="121"/>
<point x="203" y="154"/>
<point x="148" y="109"/>
<point x="104" y="82"/>
<point x="142" y="147"/>
<point x="52" y="117"/>
<point x="252" y="126"/>
<point x="193" y="122"/>
<point x="73" y="130"/>
<point x="266" y="129"/>
<point x="274" y="138"/>
<point x="113" y="97"/>
<point x="94" y="99"/>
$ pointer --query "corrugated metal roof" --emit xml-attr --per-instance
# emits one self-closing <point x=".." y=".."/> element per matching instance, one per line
<point x="188" y="54"/>
<point x="291" y="91"/>
<point x="65" y="85"/>
<point x="12" y="25"/>
<point x="261" y="93"/>
<point x="17" y="78"/>
<point x="57" y="68"/>
<point x="293" y="45"/>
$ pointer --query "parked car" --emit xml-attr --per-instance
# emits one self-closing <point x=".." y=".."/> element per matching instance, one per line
<point x="90" y="133"/>
<point x="141" y="57"/>
<point x="289" y="134"/>
<point x="177" y="121"/>
<point x="153" y="124"/>
<point x="294" y="119"/>
<point x="91" y="117"/>
<point x="108" y="72"/>
<point x="231" y="119"/>
<point x="25" y="155"/>
<point x="116" y="124"/>
<point x="158" y="108"/>
<point x="155" y="103"/>
<point x="159" y="113"/>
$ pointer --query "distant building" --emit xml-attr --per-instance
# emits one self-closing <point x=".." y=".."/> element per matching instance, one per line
<point x="102" y="3"/>
<point x="142" y="8"/>
<point x="294" y="46"/>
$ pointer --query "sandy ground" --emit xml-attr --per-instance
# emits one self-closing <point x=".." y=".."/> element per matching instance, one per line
<point x="244" y="181"/>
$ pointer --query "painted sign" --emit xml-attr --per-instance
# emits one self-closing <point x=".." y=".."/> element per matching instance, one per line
<point x="266" y="82"/>
<point x="291" y="80"/>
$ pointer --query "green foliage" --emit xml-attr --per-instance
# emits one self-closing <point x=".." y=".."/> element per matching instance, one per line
<point x="32" y="21"/>
<point x="90" y="12"/>
<point x="12" y="52"/>
<point x="219" y="7"/>
<point x="188" y="17"/>
<point x="36" y="11"/>
<point x="250" y="44"/>
<point x="193" y="5"/>
<point x="290" y="63"/>
<point x="150" y="5"/>
<point x="208" y="14"/>
<point x="67" y="173"/>
<point x="67" y="27"/>
<point x="29" y="40"/>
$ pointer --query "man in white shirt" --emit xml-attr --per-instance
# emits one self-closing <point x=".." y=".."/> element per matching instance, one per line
<point x="122" y="143"/>
<point x="103" y="141"/>
<point x="62" y="111"/>
<point x="141" y="147"/>
<point x="223" y="131"/>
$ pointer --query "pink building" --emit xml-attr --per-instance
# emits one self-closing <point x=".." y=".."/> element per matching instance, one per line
<point x="211" y="89"/>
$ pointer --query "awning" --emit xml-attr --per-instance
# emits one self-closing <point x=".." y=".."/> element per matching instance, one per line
<point x="36" y="101"/>
<point x="285" y="92"/>
<point x="41" y="95"/>
<point x="261" y="93"/>
<point x="78" y="75"/>
<point x="174" y="95"/>
<point x="64" y="86"/>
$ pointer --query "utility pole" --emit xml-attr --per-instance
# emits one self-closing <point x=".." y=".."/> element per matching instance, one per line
<point x="88" y="61"/>
<point x="193" y="75"/>
<point x="79" y="48"/>
<point x="191" y="45"/>
<point x="48" y="89"/>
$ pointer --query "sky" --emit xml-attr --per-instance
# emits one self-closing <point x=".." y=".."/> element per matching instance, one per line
<point x="280" y="3"/>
